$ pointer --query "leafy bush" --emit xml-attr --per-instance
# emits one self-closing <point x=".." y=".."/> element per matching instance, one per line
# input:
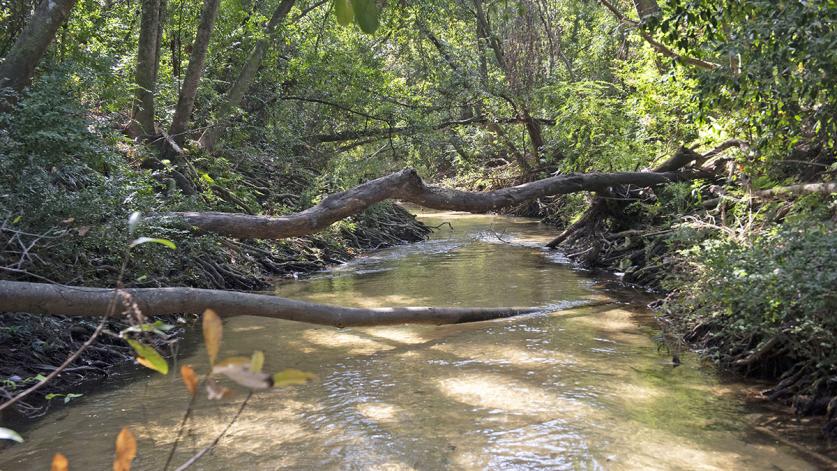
<point x="780" y="286"/>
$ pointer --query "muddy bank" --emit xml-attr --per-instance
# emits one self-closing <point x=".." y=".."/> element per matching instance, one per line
<point x="33" y="346"/>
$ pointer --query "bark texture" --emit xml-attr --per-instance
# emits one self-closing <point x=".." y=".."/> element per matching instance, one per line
<point x="43" y="298"/>
<point x="406" y="185"/>
<point x="194" y="72"/>
<point x="646" y="8"/>
<point x="18" y="67"/>
<point x="145" y="76"/>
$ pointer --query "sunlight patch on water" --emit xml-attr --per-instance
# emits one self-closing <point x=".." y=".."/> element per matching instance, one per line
<point x="580" y="388"/>
<point x="379" y="412"/>
<point x="500" y="393"/>
<point x="353" y="344"/>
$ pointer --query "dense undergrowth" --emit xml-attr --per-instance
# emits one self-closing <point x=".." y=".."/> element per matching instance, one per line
<point x="748" y="281"/>
<point x="764" y="306"/>
<point x="69" y="182"/>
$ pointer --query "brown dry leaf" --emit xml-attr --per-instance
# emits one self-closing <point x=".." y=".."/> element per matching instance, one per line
<point x="83" y="230"/>
<point x="190" y="378"/>
<point x="126" y="450"/>
<point x="213" y="330"/>
<point x="60" y="463"/>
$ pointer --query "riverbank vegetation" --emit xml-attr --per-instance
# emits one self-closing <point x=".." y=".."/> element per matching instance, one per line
<point x="686" y="144"/>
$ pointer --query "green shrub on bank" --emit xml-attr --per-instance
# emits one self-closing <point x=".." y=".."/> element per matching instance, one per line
<point x="69" y="180"/>
<point x="739" y="296"/>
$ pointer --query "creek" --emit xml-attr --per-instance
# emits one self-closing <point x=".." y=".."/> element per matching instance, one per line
<point x="576" y="387"/>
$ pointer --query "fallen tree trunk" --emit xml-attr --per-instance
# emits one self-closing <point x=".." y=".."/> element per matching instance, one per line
<point x="50" y="299"/>
<point x="406" y="185"/>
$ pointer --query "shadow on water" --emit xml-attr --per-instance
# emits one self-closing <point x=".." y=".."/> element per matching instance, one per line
<point x="583" y="387"/>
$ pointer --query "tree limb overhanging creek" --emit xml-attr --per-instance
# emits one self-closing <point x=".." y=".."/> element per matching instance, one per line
<point x="43" y="298"/>
<point x="405" y="185"/>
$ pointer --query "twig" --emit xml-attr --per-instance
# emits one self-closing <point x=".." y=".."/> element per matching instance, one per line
<point x="442" y="224"/>
<point x="194" y="459"/>
<point x="185" y="419"/>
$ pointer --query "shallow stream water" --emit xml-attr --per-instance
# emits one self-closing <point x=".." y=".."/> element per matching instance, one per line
<point x="573" y="388"/>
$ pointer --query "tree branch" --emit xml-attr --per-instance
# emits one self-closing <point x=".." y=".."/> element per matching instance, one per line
<point x="406" y="185"/>
<point x="658" y="46"/>
<point x="44" y="298"/>
<point x="385" y="132"/>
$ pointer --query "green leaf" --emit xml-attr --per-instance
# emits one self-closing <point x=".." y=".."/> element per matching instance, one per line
<point x="344" y="11"/>
<point x="205" y="177"/>
<point x="144" y="240"/>
<point x="71" y="396"/>
<point x="366" y="15"/>
<point x="257" y="361"/>
<point x="290" y="377"/>
<point x="148" y="357"/>
<point x="9" y="434"/>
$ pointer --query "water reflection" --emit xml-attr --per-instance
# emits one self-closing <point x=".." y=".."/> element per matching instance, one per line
<point x="576" y="389"/>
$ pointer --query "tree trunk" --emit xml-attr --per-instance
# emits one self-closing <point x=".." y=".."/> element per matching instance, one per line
<point x="145" y="76"/>
<point x="646" y="8"/>
<point x="658" y="46"/>
<point x="44" y="298"/>
<point x="189" y="90"/>
<point x="18" y="67"/>
<point x="245" y="78"/>
<point x="406" y="185"/>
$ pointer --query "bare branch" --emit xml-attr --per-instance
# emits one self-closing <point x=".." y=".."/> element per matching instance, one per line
<point x="43" y="298"/>
<point x="406" y="185"/>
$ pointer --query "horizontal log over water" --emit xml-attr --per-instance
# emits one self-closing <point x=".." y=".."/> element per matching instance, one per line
<point x="44" y="298"/>
<point x="406" y="185"/>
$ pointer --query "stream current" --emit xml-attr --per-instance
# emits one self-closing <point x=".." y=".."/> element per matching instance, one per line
<point x="572" y="388"/>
